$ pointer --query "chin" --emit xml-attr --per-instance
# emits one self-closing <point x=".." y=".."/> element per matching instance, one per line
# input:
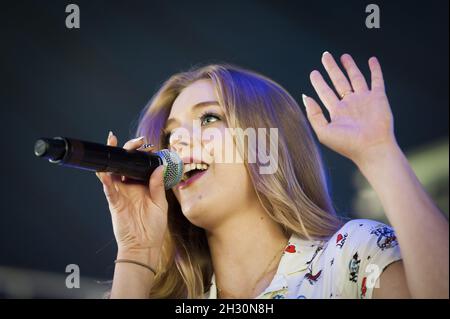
<point x="196" y="211"/>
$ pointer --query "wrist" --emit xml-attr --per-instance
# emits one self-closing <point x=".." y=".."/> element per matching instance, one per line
<point x="147" y="256"/>
<point x="376" y="157"/>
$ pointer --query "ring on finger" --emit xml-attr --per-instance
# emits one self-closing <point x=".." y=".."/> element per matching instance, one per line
<point x="144" y="146"/>
<point x="342" y="95"/>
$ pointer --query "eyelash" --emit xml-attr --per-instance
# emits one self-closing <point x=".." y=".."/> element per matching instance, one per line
<point x="202" y="118"/>
<point x="206" y="114"/>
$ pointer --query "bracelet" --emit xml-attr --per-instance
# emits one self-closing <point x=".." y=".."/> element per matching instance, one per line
<point x="136" y="263"/>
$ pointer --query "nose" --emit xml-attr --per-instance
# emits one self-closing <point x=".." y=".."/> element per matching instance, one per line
<point x="189" y="143"/>
<point x="184" y="140"/>
<point x="179" y="138"/>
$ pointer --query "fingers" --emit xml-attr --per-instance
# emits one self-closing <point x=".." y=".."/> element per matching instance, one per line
<point x="109" y="188"/>
<point x="157" y="189"/>
<point x="146" y="147"/>
<point x="315" y="115"/>
<point x="356" y="78"/>
<point x="134" y="143"/>
<point x="340" y="82"/>
<point x="325" y="93"/>
<point x="376" y="74"/>
<point x="107" y="179"/>
<point x="112" y="139"/>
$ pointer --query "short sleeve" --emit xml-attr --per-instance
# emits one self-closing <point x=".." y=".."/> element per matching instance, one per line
<point x="365" y="248"/>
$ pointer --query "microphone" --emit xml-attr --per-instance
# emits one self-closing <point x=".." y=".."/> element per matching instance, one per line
<point x="104" y="158"/>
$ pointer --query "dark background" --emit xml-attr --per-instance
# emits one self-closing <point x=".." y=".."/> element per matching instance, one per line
<point x="84" y="82"/>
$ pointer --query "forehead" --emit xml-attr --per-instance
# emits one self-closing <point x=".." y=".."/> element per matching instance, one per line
<point x="199" y="91"/>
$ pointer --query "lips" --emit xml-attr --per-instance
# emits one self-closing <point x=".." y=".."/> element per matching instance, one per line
<point x="190" y="180"/>
<point x="190" y="169"/>
<point x="193" y="170"/>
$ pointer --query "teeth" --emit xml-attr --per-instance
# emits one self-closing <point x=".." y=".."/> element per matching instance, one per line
<point x="191" y="166"/>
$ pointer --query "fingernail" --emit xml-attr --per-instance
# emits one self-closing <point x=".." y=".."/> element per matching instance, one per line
<point x="304" y="98"/>
<point x="137" y="139"/>
<point x="110" y="134"/>
<point x="325" y="53"/>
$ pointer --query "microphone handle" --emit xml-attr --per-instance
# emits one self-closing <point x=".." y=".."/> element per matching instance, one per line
<point x="98" y="157"/>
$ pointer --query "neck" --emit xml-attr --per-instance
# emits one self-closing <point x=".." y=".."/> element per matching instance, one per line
<point x="243" y="248"/>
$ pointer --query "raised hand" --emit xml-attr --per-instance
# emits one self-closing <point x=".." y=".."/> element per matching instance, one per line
<point x="360" y="117"/>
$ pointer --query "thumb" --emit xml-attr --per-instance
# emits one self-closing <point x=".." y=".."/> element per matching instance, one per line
<point x="157" y="189"/>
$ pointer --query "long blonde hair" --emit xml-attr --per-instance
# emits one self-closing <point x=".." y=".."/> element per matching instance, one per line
<point x="295" y="196"/>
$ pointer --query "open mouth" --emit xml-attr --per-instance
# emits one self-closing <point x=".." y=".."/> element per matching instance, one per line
<point x="192" y="169"/>
<point x="192" y="172"/>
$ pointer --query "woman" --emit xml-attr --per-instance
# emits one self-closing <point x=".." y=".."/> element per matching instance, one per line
<point x="228" y="231"/>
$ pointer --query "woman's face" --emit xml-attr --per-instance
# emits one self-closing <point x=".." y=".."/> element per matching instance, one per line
<point x="210" y="196"/>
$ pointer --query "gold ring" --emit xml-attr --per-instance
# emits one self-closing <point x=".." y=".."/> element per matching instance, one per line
<point x="342" y="95"/>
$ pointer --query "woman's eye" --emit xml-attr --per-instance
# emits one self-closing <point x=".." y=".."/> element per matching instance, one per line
<point x="208" y="118"/>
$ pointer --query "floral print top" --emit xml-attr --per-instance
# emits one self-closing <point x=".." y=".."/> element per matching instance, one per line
<point x="346" y="266"/>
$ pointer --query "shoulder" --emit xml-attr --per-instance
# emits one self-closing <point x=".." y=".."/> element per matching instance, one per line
<point x="361" y="232"/>
<point x="362" y="224"/>
<point x="363" y="248"/>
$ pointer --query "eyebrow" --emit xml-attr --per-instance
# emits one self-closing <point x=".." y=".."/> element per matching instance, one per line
<point x="198" y="105"/>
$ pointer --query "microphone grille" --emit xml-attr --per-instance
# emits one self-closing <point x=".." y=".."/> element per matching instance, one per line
<point x="173" y="167"/>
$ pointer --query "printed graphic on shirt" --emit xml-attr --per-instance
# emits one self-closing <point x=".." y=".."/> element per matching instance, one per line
<point x="354" y="267"/>
<point x="386" y="237"/>
<point x="290" y="249"/>
<point x="363" y="287"/>
<point x="310" y="276"/>
<point x="318" y="249"/>
<point x="278" y="294"/>
<point x="340" y="240"/>
<point x="313" y="278"/>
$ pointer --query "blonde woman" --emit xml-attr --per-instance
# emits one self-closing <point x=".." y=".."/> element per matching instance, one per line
<point x="229" y="231"/>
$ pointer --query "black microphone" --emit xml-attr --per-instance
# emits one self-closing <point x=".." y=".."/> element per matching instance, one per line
<point x="103" y="158"/>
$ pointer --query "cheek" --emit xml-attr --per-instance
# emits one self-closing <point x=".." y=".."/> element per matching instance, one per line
<point x="219" y="147"/>
<point x="231" y="180"/>
<point x="232" y="188"/>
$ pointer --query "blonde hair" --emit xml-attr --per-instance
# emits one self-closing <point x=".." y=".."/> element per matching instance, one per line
<point x="295" y="196"/>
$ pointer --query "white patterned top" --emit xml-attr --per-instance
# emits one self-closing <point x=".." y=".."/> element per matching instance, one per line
<point x="346" y="266"/>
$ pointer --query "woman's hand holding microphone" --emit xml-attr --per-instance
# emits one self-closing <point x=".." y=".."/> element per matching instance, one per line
<point x="139" y="218"/>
